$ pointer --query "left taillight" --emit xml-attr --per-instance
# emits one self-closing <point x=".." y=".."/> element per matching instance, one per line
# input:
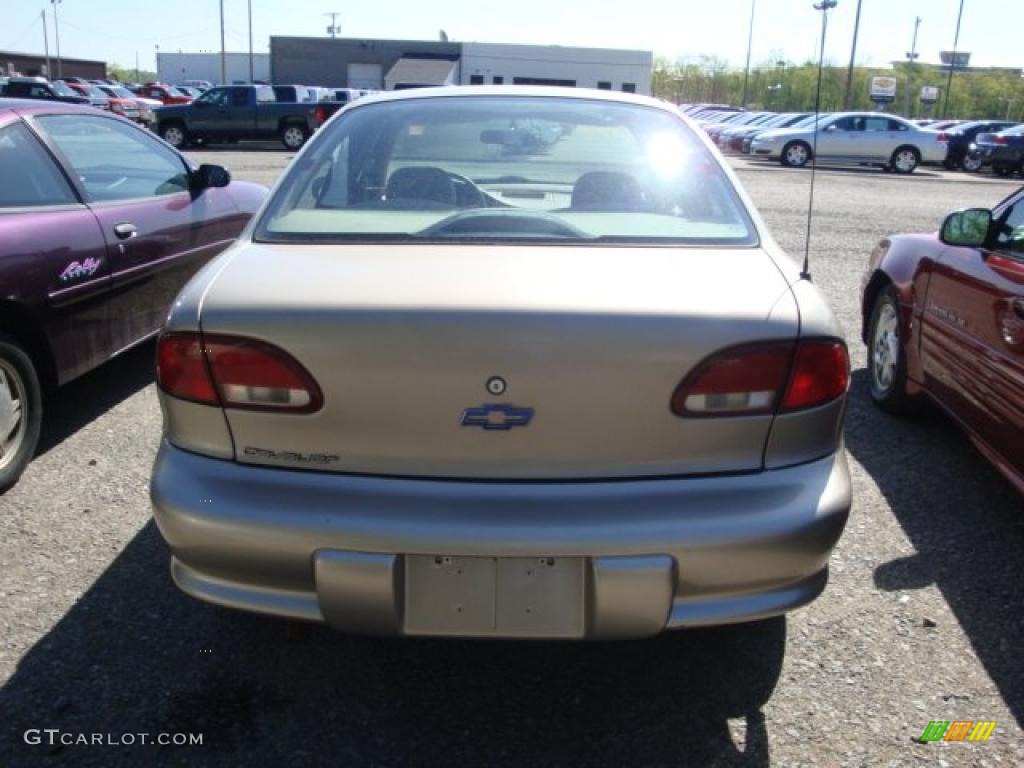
<point x="321" y="115"/>
<point x="234" y="372"/>
<point x="764" y="378"/>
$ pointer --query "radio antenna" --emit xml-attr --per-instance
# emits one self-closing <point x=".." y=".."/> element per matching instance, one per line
<point x="824" y="6"/>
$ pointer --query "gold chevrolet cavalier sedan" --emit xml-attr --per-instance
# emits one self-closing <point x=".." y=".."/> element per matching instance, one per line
<point x="503" y="362"/>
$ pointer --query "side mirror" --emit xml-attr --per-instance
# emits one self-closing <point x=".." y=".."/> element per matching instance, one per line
<point x="968" y="228"/>
<point x="207" y="176"/>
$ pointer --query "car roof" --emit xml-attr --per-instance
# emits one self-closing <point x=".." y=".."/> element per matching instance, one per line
<point x="546" y="91"/>
<point x="19" y="106"/>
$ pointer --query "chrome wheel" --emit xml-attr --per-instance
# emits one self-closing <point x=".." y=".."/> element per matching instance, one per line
<point x="174" y="136"/>
<point x="13" y="416"/>
<point x="293" y="137"/>
<point x="885" y="348"/>
<point x="971" y="163"/>
<point x="796" y="155"/>
<point x="905" y="160"/>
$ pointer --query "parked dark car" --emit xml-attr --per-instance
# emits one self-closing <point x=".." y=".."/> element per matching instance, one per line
<point x="1003" y="151"/>
<point x="35" y="88"/>
<point x="233" y="112"/>
<point x="960" y="137"/>
<point x="101" y="224"/>
<point x="944" y="319"/>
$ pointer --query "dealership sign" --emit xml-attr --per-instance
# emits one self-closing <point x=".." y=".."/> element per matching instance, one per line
<point x="929" y="94"/>
<point x="883" y="89"/>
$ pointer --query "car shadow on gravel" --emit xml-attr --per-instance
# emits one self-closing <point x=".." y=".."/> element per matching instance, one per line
<point x="134" y="655"/>
<point x="964" y="520"/>
<point x="88" y="397"/>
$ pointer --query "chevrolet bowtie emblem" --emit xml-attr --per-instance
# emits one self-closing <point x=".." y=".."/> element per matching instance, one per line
<point x="494" y="416"/>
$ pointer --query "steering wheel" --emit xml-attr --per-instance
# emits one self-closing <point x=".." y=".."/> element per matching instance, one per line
<point x="490" y="221"/>
<point x="467" y="194"/>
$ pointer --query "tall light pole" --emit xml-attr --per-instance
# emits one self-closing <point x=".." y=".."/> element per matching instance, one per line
<point x="223" y="56"/>
<point x="56" y="32"/>
<point x="750" y="40"/>
<point x="46" y="45"/>
<point x="952" y="61"/>
<point x="912" y="55"/>
<point x="251" y="76"/>
<point x="853" y="55"/>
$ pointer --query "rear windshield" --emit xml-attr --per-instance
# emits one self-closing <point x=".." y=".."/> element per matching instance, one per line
<point x="494" y="168"/>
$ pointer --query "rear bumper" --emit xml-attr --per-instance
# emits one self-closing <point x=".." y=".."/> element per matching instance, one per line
<point x="654" y="554"/>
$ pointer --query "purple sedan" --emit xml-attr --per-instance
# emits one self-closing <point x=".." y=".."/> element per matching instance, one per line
<point x="101" y="224"/>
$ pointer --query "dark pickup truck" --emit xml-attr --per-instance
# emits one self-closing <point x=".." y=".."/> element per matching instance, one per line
<point x="233" y="112"/>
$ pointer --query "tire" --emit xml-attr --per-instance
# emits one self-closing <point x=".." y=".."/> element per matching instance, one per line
<point x="796" y="154"/>
<point x="905" y="160"/>
<point x="971" y="163"/>
<point x="293" y="136"/>
<point x="887" y="360"/>
<point x="174" y="134"/>
<point x="21" y="411"/>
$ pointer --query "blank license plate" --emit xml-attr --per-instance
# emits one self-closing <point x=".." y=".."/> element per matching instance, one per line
<point x="494" y="596"/>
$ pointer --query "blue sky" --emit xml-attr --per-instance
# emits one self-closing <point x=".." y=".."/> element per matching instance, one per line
<point x="114" y="30"/>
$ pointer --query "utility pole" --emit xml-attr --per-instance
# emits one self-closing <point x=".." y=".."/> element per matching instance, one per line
<point x="136" y="66"/>
<point x="853" y="55"/>
<point x="251" y="76"/>
<point x="46" y="45"/>
<point x="952" y="61"/>
<point x="912" y="55"/>
<point x="223" y="57"/>
<point x="750" y="40"/>
<point x="333" y="29"/>
<point x="56" y="32"/>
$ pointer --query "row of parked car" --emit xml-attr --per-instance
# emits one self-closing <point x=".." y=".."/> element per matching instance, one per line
<point x="872" y="138"/>
<point x="198" y="112"/>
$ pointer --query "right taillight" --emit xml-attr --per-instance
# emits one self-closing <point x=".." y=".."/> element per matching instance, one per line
<point x="943" y="136"/>
<point x="757" y="379"/>
<point x="1001" y="141"/>
<point x="821" y="373"/>
<point x="234" y="372"/>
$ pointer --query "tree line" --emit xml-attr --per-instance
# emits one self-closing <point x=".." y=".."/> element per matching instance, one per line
<point x="782" y="86"/>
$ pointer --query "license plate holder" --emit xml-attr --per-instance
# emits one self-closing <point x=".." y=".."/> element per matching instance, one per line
<point x="494" y="596"/>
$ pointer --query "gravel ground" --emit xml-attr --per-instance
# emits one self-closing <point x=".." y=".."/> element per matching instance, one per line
<point x="921" y="620"/>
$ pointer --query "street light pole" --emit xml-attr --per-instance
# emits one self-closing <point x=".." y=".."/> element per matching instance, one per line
<point x="223" y="57"/>
<point x="251" y="76"/>
<point x="912" y="55"/>
<point x="46" y="45"/>
<point x="952" y="61"/>
<point x="750" y="40"/>
<point x="853" y="55"/>
<point x="56" y="32"/>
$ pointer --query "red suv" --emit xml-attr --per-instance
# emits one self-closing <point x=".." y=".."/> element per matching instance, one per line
<point x="168" y="94"/>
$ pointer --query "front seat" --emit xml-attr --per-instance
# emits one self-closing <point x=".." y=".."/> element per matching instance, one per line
<point x="421" y="184"/>
<point x="606" y="191"/>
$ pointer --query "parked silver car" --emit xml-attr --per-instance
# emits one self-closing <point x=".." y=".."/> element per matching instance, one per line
<point x="503" y="364"/>
<point x="854" y="137"/>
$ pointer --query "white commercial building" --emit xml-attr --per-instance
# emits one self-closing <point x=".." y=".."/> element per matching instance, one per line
<point x="606" y="68"/>
<point x="179" y="67"/>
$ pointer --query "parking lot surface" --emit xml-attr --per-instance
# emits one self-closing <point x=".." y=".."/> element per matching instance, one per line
<point x="921" y="621"/>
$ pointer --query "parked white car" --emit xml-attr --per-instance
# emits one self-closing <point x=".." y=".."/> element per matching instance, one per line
<point x="854" y="137"/>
